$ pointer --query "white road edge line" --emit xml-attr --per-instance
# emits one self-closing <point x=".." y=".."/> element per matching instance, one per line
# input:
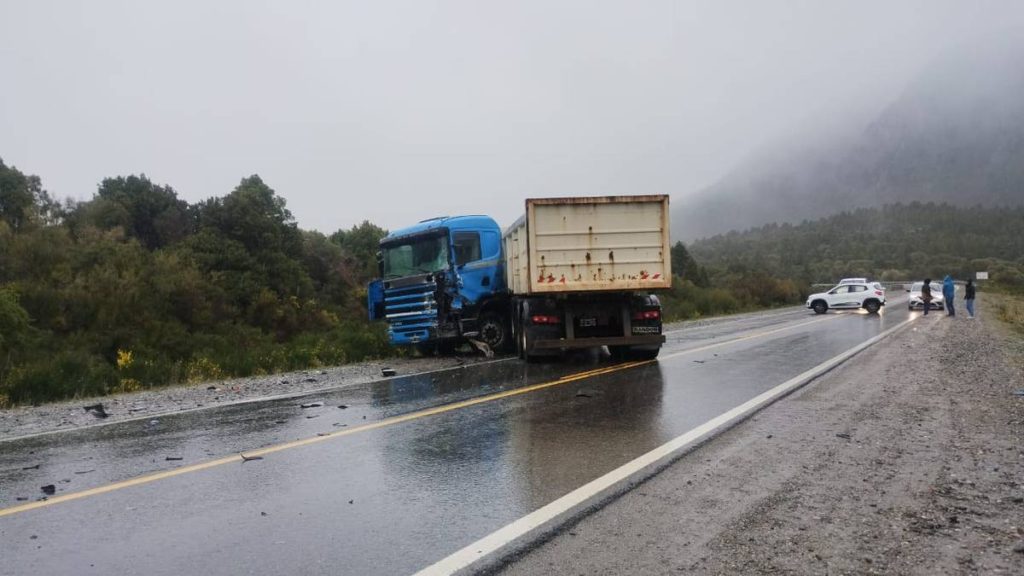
<point x="502" y="541"/>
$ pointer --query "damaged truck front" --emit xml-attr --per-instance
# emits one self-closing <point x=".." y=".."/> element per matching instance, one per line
<point x="442" y="281"/>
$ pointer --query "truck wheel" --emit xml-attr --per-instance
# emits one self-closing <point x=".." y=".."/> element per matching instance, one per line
<point x="644" y="354"/>
<point x="619" y="353"/>
<point x="524" y="340"/>
<point x="493" y="331"/>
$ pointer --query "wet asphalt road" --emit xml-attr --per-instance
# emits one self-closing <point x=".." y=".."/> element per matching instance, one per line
<point x="393" y="498"/>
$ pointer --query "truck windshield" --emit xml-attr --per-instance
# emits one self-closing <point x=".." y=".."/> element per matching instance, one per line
<point x="415" y="256"/>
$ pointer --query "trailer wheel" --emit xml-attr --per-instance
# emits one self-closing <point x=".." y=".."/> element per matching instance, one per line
<point x="644" y="354"/>
<point x="619" y="353"/>
<point x="524" y="341"/>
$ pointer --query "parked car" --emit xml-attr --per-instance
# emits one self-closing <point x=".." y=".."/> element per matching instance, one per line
<point x="851" y="296"/>
<point x="916" y="303"/>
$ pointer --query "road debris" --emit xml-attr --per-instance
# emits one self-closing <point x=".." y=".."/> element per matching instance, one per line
<point x="582" y="394"/>
<point x="388" y="372"/>
<point x="173" y="458"/>
<point x="312" y="405"/>
<point x="96" y="410"/>
<point x="249" y="458"/>
<point x="843" y="435"/>
<point x="49" y="489"/>
<point x="85" y="471"/>
<point x="482" y="347"/>
<point x="343" y="406"/>
<point x="34" y="467"/>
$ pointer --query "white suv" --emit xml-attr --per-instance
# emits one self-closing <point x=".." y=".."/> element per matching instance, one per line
<point x="850" y="296"/>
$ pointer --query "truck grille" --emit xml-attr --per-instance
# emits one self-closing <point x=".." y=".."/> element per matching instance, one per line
<point x="411" y="311"/>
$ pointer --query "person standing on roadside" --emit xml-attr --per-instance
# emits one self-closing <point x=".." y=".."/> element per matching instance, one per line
<point x="926" y="294"/>
<point x="948" y="294"/>
<point x="969" y="298"/>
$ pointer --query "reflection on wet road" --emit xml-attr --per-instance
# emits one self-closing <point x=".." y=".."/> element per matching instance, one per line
<point x="394" y="497"/>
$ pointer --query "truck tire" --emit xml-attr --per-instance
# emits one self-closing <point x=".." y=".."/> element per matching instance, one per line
<point x="619" y="353"/>
<point x="524" y="341"/>
<point x="494" y="331"/>
<point x="644" y="354"/>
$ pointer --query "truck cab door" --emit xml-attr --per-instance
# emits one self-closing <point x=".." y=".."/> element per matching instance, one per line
<point x="478" y="263"/>
<point x="375" y="299"/>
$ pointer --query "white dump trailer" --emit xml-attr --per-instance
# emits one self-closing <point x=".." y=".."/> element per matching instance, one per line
<point x="580" y="272"/>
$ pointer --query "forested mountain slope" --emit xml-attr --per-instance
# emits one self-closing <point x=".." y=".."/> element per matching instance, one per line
<point x="894" y="242"/>
<point x="956" y="135"/>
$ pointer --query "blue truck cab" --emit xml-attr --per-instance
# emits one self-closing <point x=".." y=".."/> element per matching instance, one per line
<point x="441" y="281"/>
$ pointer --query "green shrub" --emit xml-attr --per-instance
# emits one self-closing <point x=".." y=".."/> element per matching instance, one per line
<point x="68" y="375"/>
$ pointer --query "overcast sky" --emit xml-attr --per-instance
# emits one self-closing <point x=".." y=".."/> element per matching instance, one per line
<point x="397" y="111"/>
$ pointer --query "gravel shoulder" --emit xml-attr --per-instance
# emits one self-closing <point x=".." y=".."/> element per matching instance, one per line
<point x="907" y="460"/>
<point x="69" y="414"/>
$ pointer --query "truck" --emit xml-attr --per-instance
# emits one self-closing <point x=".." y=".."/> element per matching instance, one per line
<point x="570" y="273"/>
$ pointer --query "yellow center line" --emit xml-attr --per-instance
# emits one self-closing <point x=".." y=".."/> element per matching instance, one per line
<point x="146" y="479"/>
<point x="314" y="440"/>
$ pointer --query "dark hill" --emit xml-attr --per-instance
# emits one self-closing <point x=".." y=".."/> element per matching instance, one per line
<point x="956" y="135"/>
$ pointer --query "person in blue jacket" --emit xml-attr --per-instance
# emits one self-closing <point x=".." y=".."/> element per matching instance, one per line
<point x="948" y="293"/>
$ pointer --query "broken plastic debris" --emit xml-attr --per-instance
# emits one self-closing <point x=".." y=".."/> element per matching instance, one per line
<point x="96" y="410"/>
<point x="386" y="372"/>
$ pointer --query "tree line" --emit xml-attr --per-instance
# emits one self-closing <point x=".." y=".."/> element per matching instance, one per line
<point x="892" y="242"/>
<point x="136" y="287"/>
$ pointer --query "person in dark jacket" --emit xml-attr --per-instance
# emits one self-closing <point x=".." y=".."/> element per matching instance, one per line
<point x="926" y="294"/>
<point x="969" y="298"/>
<point x="949" y="293"/>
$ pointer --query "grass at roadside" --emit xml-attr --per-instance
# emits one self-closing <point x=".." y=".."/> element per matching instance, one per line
<point x="1009" y="308"/>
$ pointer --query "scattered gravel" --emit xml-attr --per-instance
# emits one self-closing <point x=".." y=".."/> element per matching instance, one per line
<point x="66" y="415"/>
<point x="907" y="460"/>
